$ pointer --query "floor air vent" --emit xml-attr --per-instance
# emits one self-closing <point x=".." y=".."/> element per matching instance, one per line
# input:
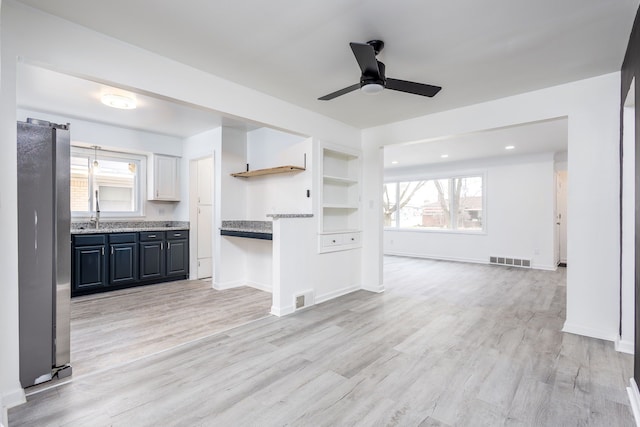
<point x="511" y="262"/>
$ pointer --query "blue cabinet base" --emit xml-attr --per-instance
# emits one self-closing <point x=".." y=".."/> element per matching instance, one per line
<point x="112" y="261"/>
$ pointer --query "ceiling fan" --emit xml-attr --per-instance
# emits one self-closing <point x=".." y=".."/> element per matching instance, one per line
<point x="373" y="79"/>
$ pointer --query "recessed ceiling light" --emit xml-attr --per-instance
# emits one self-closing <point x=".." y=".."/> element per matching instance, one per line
<point x="119" y="101"/>
<point x="509" y="147"/>
<point x="444" y="156"/>
<point x="394" y="162"/>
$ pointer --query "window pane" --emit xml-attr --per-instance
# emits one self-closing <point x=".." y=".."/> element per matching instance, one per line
<point x="424" y="204"/>
<point x="79" y="184"/>
<point x="389" y="207"/>
<point x="436" y="213"/>
<point x="115" y="182"/>
<point x="469" y="212"/>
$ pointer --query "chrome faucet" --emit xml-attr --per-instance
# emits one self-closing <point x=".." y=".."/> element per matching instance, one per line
<point x="96" y="219"/>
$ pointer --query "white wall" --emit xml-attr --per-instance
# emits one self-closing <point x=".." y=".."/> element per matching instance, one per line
<point x="592" y="107"/>
<point x="519" y="216"/>
<point x="39" y="38"/>
<point x="279" y="193"/>
<point x="627" y="337"/>
<point x="86" y="133"/>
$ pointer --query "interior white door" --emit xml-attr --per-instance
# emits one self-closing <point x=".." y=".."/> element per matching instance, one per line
<point x="205" y="181"/>
<point x="205" y="242"/>
<point x="204" y="247"/>
<point x="562" y="215"/>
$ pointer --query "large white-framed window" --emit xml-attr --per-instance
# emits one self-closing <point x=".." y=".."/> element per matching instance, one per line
<point x="453" y="203"/>
<point x="112" y="181"/>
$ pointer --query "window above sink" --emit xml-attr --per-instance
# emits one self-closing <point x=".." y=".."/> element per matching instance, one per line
<point x="108" y="179"/>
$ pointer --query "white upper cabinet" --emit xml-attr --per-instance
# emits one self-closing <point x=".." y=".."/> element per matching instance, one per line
<point x="164" y="178"/>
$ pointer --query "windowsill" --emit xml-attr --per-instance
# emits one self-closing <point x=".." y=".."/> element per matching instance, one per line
<point x="421" y="230"/>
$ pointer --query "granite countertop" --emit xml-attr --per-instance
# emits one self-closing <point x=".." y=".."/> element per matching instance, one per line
<point x="278" y="216"/>
<point x="248" y="226"/>
<point x="127" y="226"/>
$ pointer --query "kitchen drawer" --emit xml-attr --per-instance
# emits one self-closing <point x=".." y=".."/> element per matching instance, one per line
<point x="89" y="239"/>
<point x="150" y="236"/>
<point x="177" y="234"/>
<point x="123" y="238"/>
<point x="329" y="240"/>
<point x="339" y="241"/>
<point x="351" y="239"/>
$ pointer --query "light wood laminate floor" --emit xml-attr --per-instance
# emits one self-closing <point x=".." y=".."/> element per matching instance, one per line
<point x="110" y="328"/>
<point x="447" y="344"/>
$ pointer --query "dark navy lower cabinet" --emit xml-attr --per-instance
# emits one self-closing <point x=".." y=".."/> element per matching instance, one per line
<point x="177" y="253"/>
<point x="123" y="258"/>
<point x="88" y="263"/>
<point x="103" y="262"/>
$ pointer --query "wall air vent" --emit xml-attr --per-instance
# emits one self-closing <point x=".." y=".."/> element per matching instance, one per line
<point x="511" y="262"/>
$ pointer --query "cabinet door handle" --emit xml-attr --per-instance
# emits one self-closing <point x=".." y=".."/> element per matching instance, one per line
<point x="161" y="246"/>
<point x="102" y="250"/>
<point x="151" y="236"/>
<point x="168" y="245"/>
<point x="111" y="250"/>
<point x="157" y="193"/>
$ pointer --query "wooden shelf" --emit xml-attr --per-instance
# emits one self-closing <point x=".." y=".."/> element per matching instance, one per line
<point x="269" y="171"/>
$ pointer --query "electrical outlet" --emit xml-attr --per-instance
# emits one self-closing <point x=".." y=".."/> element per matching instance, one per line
<point x="300" y="301"/>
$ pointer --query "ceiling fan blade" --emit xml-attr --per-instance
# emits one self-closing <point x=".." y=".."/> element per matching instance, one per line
<point x="412" y="87"/>
<point x="340" y="92"/>
<point x="366" y="56"/>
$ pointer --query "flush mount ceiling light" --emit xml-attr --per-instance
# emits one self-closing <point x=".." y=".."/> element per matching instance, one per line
<point x="444" y="156"/>
<point x="509" y="147"/>
<point x="119" y="101"/>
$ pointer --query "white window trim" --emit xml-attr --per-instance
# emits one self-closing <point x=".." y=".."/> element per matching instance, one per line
<point x="449" y="177"/>
<point x="141" y="182"/>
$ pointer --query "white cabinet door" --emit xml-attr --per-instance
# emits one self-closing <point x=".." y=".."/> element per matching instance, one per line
<point x="164" y="183"/>
<point x="205" y="241"/>
<point x="205" y="181"/>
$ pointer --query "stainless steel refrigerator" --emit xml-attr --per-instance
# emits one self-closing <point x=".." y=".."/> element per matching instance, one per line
<point x="44" y="250"/>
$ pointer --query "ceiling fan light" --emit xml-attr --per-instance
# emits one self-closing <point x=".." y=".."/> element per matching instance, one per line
<point x="372" y="88"/>
<point x="119" y="101"/>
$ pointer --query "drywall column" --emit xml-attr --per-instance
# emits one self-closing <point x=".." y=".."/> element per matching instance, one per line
<point x="11" y="392"/>
<point x="293" y="268"/>
<point x="372" y="221"/>
<point x="229" y="255"/>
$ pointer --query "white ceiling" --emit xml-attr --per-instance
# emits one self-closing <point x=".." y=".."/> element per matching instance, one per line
<point x="532" y="138"/>
<point x="48" y="91"/>
<point x="298" y="51"/>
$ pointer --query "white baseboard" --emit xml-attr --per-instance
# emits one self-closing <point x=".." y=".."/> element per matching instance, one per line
<point x="228" y="285"/>
<point x="335" y="294"/>
<point x="377" y="289"/>
<point x="9" y="400"/>
<point x="469" y="260"/>
<point x="282" y="311"/>
<point x="588" y="332"/>
<point x="624" y="346"/>
<point x="260" y="286"/>
<point x="437" y="257"/>
<point x="634" y="400"/>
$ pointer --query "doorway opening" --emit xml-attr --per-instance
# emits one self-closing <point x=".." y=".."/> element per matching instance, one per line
<point x="121" y="325"/>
